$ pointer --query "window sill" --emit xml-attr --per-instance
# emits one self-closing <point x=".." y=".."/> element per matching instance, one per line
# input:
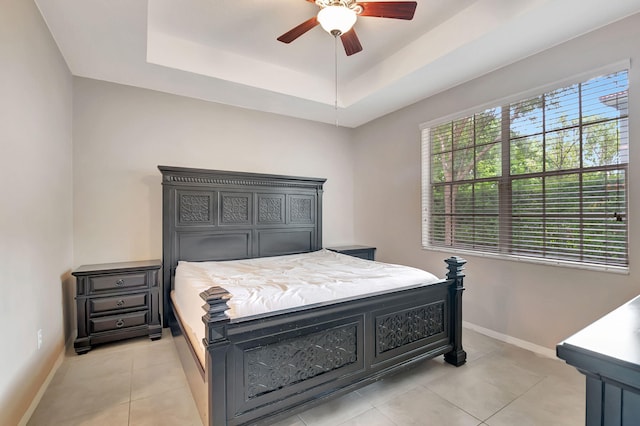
<point x="547" y="262"/>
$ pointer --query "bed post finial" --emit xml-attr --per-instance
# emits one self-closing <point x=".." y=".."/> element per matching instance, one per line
<point x="455" y="266"/>
<point x="216" y="346"/>
<point x="457" y="356"/>
<point x="215" y="319"/>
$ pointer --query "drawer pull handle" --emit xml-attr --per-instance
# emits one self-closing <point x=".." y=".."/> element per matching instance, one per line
<point x="120" y="323"/>
<point x="120" y="282"/>
<point x="120" y="303"/>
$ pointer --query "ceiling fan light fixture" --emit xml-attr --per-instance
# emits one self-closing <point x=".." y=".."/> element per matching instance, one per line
<point x="337" y="20"/>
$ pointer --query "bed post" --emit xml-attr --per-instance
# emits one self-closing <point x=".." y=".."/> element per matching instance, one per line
<point x="216" y="347"/>
<point x="457" y="356"/>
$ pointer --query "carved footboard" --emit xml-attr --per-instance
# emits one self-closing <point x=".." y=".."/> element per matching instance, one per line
<point x="267" y="367"/>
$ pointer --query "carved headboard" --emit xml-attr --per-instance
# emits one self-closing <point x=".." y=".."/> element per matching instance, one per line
<point x="223" y="215"/>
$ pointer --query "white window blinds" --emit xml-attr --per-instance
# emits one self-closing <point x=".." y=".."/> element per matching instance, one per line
<point x="544" y="177"/>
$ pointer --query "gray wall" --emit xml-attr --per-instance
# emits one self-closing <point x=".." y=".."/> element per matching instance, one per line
<point x="121" y="134"/>
<point x="36" y="210"/>
<point x="535" y="303"/>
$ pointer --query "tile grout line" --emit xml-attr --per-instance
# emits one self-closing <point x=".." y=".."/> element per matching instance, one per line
<point x="385" y="416"/>
<point x="482" y="421"/>
<point x="544" y="377"/>
<point x="455" y="405"/>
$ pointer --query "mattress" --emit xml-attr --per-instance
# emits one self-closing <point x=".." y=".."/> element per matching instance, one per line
<point x="268" y="284"/>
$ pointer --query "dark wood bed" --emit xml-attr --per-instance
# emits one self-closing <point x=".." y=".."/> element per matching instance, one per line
<point x="263" y="368"/>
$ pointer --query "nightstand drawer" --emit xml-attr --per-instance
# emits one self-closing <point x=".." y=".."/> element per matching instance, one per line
<point x="118" y="322"/>
<point x="128" y="301"/>
<point x="363" y="252"/>
<point x="366" y="254"/>
<point x="117" y="282"/>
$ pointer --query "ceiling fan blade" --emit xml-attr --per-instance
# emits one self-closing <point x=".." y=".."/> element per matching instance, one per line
<point x="296" y="32"/>
<point x="350" y="42"/>
<point x="389" y="9"/>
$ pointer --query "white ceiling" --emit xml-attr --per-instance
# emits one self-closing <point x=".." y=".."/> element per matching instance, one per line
<point x="226" y="50"/>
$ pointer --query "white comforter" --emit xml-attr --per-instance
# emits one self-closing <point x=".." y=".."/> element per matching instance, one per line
<point x="273" y="283"/>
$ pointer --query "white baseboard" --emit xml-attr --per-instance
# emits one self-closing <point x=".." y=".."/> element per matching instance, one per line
<point x="540" y="350"/>
<point x="36" y="399"/>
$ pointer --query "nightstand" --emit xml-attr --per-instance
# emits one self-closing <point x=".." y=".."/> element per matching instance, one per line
<point x="363" y="252"/>
<point x="117" y="301"/>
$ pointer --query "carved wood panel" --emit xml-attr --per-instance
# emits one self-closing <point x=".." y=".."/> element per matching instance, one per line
<point x="270" y="209"/>
<point x="287" y="362"/>
<point x="301" y="209"/>
<point x="405" y="327"/>
<point x="235" y="209"/>
<point x="194" y="208"/>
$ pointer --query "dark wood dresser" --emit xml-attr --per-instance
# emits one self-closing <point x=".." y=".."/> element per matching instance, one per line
<point x="608" y="353"/>
<point x="363" y="252"/>
<point x="116" y="301"/>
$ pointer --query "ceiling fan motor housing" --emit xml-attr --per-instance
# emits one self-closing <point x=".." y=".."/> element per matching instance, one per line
<point x="337" y="17"/>
<point x="349" y="4"/>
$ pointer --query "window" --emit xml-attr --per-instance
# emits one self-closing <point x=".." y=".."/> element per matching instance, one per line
<point x="544" y="177"/>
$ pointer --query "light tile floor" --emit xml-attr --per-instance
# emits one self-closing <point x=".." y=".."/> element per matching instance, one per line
<point x="139" y="382"/>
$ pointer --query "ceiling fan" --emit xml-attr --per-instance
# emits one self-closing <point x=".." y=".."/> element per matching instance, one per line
<point x="337" y="17"/>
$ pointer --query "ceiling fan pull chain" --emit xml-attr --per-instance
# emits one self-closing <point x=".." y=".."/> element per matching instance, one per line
<point x="335" y="62"/>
